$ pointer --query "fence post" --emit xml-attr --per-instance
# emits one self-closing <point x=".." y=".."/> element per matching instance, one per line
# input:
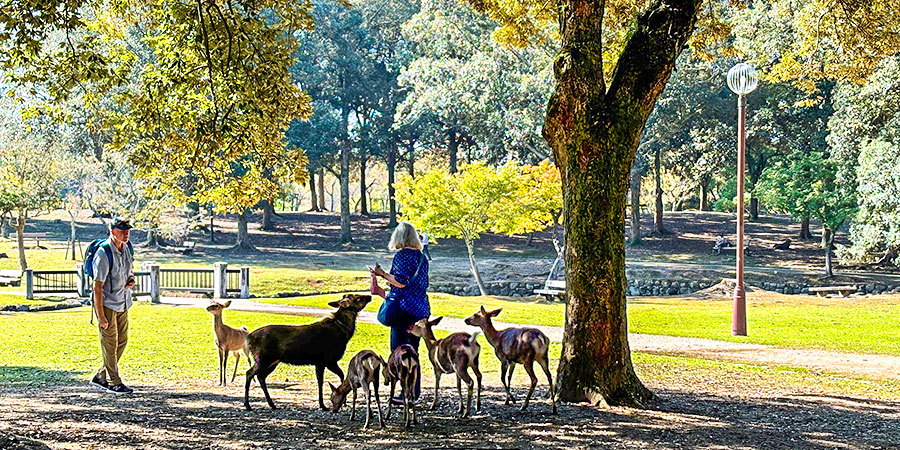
<point x="220" y="279"/>
<point x="154" y="282"/>
<point x="29" y="283"/>
<point x="245" y="282"/>
<point x="79" y="277"/>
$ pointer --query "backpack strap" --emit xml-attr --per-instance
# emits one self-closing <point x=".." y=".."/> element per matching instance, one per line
<point x="419" y="266"/>
<point x="109" y="256"/>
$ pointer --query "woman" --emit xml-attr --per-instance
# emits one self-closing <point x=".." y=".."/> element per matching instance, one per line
<point x="408" y="279"/>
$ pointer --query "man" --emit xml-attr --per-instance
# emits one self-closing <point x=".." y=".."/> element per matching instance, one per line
<point x="112" y="298"/>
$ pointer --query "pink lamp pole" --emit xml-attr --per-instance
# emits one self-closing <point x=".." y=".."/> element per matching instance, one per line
<point x="742" y="80"/>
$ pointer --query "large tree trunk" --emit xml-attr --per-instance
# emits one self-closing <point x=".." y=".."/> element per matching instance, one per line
<point x="829" y="244"/>
<point x="805" y="234"/>
<point x="268" y="212"/>
<point x="72" y="230"/>
<point x="658" y="216"/>
<point x="212" y="226"/>
<point x="704" y="194"/>
<point x="313" y="205"/>
<point x="321" y="189"/>
<point x="152" y="238"/>
<point x="470" y="247"/>
<point x="363" y="206"/>
<point x="243" y="231"/>
<point x="594" y="135"/>
<point x="411" y="160"/>
<point x="754" y="208"/>
<point x="391" y="168"/>
<point x="635" y="188"/>
<point x="346" y="237"/>
<point x="453" y="142"/>
<point x="20" y="238"/>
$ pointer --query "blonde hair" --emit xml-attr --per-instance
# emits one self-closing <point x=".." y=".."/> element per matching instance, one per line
<point x="405" y="236"/>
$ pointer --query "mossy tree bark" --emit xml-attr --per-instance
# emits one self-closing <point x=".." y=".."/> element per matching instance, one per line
<point x="594" y="134"/>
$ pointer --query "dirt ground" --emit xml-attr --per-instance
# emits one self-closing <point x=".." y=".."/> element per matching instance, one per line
<point x="193" y="417"/>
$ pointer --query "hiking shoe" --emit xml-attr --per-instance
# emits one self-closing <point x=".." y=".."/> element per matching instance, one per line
<point x="120" y="389"/>
<point x="102" y="384"/>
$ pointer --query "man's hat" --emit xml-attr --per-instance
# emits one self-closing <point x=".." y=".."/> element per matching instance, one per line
<point x="121" y="223"/>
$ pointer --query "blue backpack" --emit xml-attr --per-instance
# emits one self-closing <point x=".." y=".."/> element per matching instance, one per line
<point x="91" y="253"/>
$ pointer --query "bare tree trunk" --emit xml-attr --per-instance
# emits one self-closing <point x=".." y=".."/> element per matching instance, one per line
<point x="453" y="148"/>
<point x="212" y="229"/>
<point x="412" y="160"/>
<point x="829" y="244"/>
<point x="243" y="231"/>
<point x="20" y="238"/>
<point x="635" y="188"/>
<point x="152" y="238"/>
<point x="268" y="212"/>
<point x="72" y="223"/>
<point x="805" y="234"/>
<point x="704" y="195"/>
<point x="391" y="168"/>
<point x="754" y="208"/>
<point x="312" y="191"/>
<point x="470" y="247"/>
<point x="346" y="237"/>
<point x="658" y="217"/>
<point x="321" y="189"/>
<point x="363" y="204"/>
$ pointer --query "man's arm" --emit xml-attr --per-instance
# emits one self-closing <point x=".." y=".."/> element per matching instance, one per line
<point x="98" y="304"/>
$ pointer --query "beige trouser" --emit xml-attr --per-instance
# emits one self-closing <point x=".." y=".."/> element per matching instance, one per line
<point x="112" y="342"/>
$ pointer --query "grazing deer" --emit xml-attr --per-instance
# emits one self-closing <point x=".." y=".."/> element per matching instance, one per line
<point x="453" y="354"/>
<point x="403" y="366"/>
<point x="516" y="345"/>
<point x="362" y="372"/>
<point x="228" y="339"/>
<point x="320" y="344"/>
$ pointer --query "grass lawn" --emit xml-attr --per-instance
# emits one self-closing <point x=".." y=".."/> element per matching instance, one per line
<point x="170" y="345"/>
<point x="10" y="299"/>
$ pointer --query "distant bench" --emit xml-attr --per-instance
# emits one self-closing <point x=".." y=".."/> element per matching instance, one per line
<point x="553" y="289"/>
<point x="37" y="238"/>
<point x="845" y="291"/>
<point x="10" y="277"/>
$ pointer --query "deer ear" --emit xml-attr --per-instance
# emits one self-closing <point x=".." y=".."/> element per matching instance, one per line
<point x="482" y="310"/>
<point x="227" y="304"/>
<point x="435" y="321"/>
<point x="495" y="312"/>
<point x="335" y="304"/>
<point x="333" y="389"/>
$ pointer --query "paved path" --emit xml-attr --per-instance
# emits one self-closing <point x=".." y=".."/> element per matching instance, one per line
<point x="868" y="365"/>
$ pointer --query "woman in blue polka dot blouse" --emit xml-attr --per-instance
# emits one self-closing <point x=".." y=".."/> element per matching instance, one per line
<point x="409" y="276"/>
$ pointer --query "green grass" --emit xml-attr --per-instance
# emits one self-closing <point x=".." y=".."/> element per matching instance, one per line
<point x="10" y="299"/>
<point x="169" y="345"/>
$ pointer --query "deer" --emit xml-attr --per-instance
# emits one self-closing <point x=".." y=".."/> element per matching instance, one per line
<point x="228" y="339"/>
<point x="320" y="344"/>
<point x="516" y="346"/>
<point x="403" y="367"/>
<point x="362" y="372"/>
<point x="455" y="353"/>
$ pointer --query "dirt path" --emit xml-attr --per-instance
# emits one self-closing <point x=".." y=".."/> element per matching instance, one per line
<point x="868" y="365"/>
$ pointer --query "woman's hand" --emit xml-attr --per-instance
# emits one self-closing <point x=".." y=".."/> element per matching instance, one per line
<point x="377" y="270"/>
<point x="374" y="288"/>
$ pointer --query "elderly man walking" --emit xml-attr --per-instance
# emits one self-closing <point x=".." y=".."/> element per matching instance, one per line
<point x="113" y="280"/>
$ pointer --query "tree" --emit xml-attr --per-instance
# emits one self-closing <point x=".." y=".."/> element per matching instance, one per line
<point x="614" y="60"/>
<point x="477" y="199"/>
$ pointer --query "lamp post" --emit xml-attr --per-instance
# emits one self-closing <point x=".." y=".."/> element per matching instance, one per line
<point x="742" y="80"/>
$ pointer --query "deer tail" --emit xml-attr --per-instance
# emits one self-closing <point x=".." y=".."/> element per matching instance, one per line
<point x="474" y="337"/>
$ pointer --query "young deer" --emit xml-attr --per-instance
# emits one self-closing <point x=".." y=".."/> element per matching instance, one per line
<point x="361" y="373"/>
<point x="403" y="366"/>
<point x="228" y="339"/>
<point x="516" y="345"/>
<point x="455" y="353"/>
<point x="321" y="344"/>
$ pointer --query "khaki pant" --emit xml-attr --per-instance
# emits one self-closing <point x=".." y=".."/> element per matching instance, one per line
<point x="112" y="343"/>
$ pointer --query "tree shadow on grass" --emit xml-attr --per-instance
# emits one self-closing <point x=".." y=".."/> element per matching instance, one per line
<point x="19" y="376"/>
<point x="160" y="417"/>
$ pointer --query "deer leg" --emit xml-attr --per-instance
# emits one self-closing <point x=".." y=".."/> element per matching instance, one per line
<point x="503" y="367"/>
<point x="509" y="375"/>
<point x="261" y="376"/>
<point x="251" y="372"/>
<point x="237" y="362"/>
<point x="353" y="407"/>
<point x="529" y="367"/>
<point x="378" y="401"/>
<point x="543" y="363"/>
<point x="461" y="409"/>
<point x="391" y="397"/>
<point x="320" y="378"/>
<point x="478" y="380"/>
<point x="368" y="404"/>
<point x="224" y="367"/>
<point x="437" y="387"/>
<point x="221" y="377"/>
<point x="336" y="369"/>
<point x="464" y="375"/>
<point x="412" y="386"/>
